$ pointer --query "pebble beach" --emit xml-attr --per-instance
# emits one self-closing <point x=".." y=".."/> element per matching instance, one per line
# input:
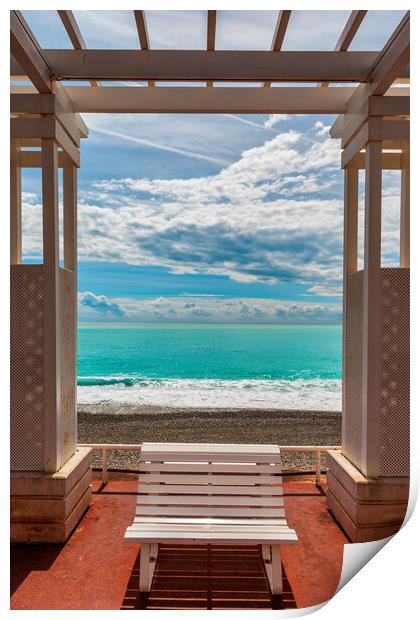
<point x="124" y="423"/>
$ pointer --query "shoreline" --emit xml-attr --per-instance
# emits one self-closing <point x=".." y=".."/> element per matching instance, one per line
<point x="127" y="423"/>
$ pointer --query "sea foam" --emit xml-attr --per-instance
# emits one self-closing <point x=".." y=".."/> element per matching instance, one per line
<point x="307" y="394"/>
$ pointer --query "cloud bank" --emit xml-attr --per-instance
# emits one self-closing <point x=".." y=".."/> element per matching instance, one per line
<point x="186" y="309"/>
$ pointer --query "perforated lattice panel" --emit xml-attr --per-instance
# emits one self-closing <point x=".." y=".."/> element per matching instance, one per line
<point x="394" y="457"/>
<point x="27" y="368"/>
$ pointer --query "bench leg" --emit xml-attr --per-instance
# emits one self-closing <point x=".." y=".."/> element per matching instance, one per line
<point x="266" y="554"/>
<point x="277" y="587"/>
<point x="145" y="578"/>
<point x="272" y="563"/>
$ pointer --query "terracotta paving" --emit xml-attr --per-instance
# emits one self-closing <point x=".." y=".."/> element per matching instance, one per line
<point x="96" y="569"/>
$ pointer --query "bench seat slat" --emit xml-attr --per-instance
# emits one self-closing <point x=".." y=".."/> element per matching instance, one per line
<point x="224" y="468"/>
<point x="219" y="511"/>
<point x="215" y="448"/>
<point x="171" y="537"/>
<point x="281" y="525"/>
<point x="210" y="479"/>
<point x="212" y="489"/>
<point x="209" y="521"/>
<point x="209" y="500"/>
<point x="209" y="457"/>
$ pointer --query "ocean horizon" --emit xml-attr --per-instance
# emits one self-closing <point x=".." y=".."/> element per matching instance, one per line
<point x="261" y="366"/>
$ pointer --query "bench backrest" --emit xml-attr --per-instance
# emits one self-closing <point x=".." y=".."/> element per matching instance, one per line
<point x="210" y="480"/>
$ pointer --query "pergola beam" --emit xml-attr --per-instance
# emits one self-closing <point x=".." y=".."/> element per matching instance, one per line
<point x="143" y="33"/>
<point x="376" y="130"/>
<point x="389" y="65"/>
<point x="45" y="128"/>
<point x="75" y="36"/>
<point x="375" y="106"/>
<point x="392" y="60"/>
<point x="33" y="159"/>
<point x="286" y="100"/>
<point x="57" y="103"/>
<point x="203" y="65"/>
<point x="279" y="34"/>
<point x="390" y="161"/>
<point x="211" y="34"/>
<point x="27" y="53"/>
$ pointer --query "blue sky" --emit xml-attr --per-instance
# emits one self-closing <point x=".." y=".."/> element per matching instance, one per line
<point x="211" y="218"/>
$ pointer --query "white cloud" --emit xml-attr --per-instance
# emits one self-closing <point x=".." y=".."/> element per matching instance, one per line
<point x="273" y="119"/>
<point x="322" y="129"/>
<point x="274" y="215"/>
<point x="99" y="303"/>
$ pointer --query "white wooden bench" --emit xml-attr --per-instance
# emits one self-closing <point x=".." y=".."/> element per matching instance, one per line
<point x="210" y="493"/>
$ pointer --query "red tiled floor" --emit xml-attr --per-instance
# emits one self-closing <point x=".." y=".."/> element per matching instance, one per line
<point x="96" y="569"/>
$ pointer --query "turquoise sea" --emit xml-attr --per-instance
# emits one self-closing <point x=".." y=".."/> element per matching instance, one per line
<point x="256" y="366"/>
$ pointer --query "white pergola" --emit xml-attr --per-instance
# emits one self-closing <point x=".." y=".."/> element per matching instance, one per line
<point x="369" y="91"/>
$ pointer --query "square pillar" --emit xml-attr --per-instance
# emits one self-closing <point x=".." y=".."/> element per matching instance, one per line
<point x="50" y="478"/>
<point x="15" y="203"/>
<point x="405" y="209"/>
<point x="372" y="304"/>
<point x="368" y="480"/>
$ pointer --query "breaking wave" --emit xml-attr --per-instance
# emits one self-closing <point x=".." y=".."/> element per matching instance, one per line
<point x="307" y="394"/>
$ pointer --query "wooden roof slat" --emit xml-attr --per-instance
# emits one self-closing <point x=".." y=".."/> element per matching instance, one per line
<point x="72" y="28"/>
<point x="211" y="34"/>
<point x="142" y="31"/>
<point x="280" y="31"/>
<point x="28" y="54"/>
<point x="349" y="32"/>
<point x="279" y="34"/>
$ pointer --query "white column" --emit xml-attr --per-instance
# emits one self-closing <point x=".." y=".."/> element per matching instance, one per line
<point x="15" y="203"/>
<point x="372" y="304"/>
<point x="51" y="302"/>
<point x="70" y="263"/>
<point x="351" y="207"/>
<point x="70" y="215"/>
<point x="405" y="209"/>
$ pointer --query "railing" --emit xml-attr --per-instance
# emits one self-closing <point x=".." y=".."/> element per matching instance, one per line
<point x="110" y="447"/>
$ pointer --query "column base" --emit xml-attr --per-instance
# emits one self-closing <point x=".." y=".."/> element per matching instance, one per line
<point x="367" y="509"/>
<point x="45" y="508"/>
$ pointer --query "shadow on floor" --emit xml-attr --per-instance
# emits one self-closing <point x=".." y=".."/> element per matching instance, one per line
<point x="208" y="577"/>
<point x="22" y="563"/>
